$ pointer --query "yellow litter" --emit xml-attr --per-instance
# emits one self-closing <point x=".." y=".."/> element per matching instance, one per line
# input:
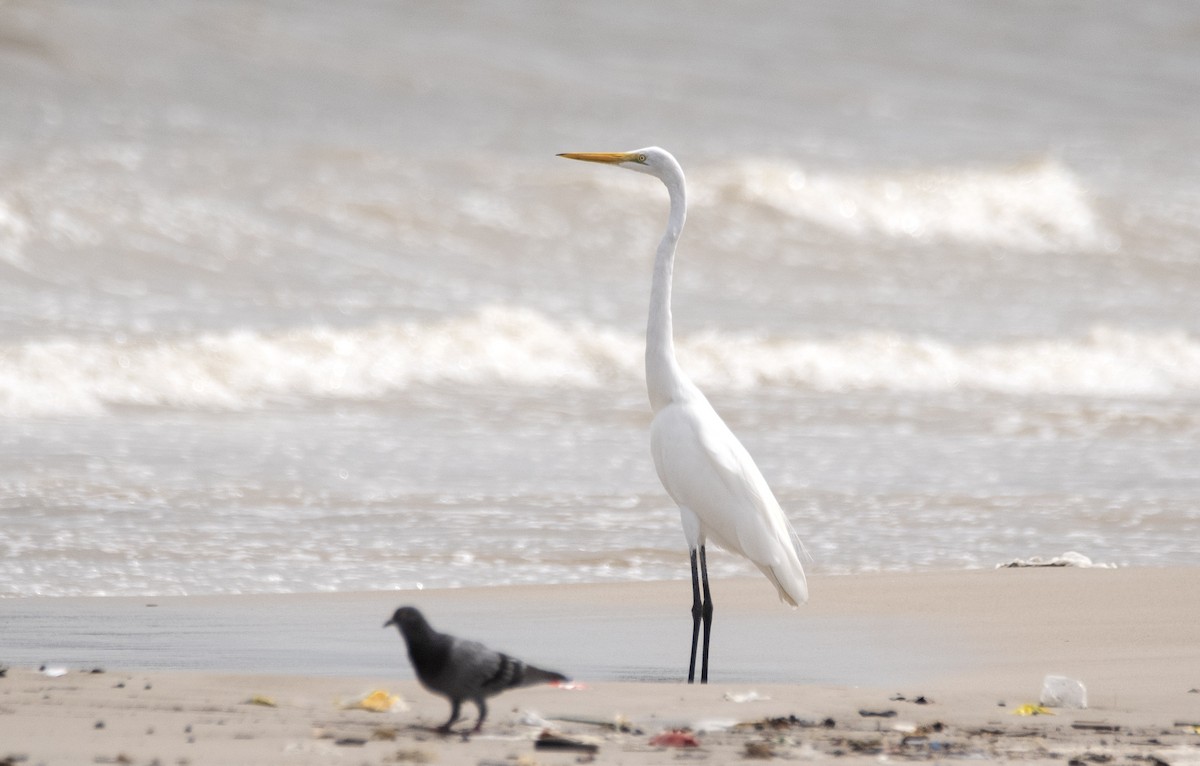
<point x="378" y="701"/>
<point x="259" y="699"/>
<point x="1032" y="710"/>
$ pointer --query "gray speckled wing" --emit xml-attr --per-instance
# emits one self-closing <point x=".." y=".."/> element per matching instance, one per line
<point x="476" y="671"/>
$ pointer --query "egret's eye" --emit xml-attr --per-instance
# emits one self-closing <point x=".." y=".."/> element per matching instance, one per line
<point x="642" y="158"/>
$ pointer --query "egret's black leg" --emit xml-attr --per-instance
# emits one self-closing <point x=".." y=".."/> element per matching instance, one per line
<point x="707" y="614"/>
<point x="697" y="611"/>
<point x="454" y="706"/>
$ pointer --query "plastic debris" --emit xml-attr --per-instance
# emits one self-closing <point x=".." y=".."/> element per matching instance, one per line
<point x="712" y="725"/>
<point x="790" y="722"/>
<point x="750" y="696"/>
<point x="552" y="740"/>
<point x="1068" y="559"/>
<point x="1060" y="691"/>
<point x="532" y="718"/>
<point x="675" y="738"/>
<point x="378" y="701"/>
<point x="1031" y="709"/>
<point x="52" y="671"/>
<point x="618" y="722"/>
<point x="260" y="699"/>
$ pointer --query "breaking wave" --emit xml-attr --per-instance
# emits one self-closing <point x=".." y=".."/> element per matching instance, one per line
<point x="1039" y="206"/>
<point x="500" y="345"/>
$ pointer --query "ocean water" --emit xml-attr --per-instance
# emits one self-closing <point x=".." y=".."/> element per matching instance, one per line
<point x="296" y="296"/>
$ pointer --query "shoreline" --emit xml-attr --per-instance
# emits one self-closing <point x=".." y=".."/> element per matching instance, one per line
<point x="961" y="613"/>
<point x="975" y="645"/>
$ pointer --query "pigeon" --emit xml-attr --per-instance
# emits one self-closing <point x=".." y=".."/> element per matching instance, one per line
<point x="462" y="670"/>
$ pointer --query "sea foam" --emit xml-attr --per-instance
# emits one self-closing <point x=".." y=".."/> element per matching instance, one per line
<point x="1037" y="206"/>
<point x="518" y="347"/>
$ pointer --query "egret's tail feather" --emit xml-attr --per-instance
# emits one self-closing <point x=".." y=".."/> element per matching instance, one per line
<point x="801" y="551"/>
<point x="789" y="580"/>
<point x="788" y="576"/>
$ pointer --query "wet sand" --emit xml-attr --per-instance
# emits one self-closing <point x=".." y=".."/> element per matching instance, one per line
<point x="974" y="646"/>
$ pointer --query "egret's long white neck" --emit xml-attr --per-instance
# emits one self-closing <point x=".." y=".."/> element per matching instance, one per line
<point x="665" y="381"/>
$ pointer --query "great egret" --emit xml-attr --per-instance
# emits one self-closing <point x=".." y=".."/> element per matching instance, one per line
<point x="720" y="492"/>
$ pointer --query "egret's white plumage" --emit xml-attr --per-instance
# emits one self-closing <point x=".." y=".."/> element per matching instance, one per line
<point x="721" y="494"/>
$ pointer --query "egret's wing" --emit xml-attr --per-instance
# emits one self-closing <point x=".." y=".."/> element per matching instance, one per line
<point x="761" y="525"/>
<point x="690" y="473"/>
<point x="707" y="470"/>
<point x="764" y="532"/>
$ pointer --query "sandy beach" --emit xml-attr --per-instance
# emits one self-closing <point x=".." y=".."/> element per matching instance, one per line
<point x="877" y="667"/>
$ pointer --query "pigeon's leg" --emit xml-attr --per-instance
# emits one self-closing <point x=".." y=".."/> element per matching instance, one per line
<point x="454" y="706"/>
<point x="697" y="611"/>
<point x="479" y="703"/>
<point x="707" y="614"/>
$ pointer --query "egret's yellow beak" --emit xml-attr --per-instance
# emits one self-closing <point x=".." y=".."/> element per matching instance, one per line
<point x="608" y="158"/>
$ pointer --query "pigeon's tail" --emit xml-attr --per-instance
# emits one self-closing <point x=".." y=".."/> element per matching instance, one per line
<point x="538" y="676"/>
<point x="512" y="673"/>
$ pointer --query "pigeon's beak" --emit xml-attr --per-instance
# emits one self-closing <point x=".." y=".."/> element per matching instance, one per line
<point x="389" y="623"/>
